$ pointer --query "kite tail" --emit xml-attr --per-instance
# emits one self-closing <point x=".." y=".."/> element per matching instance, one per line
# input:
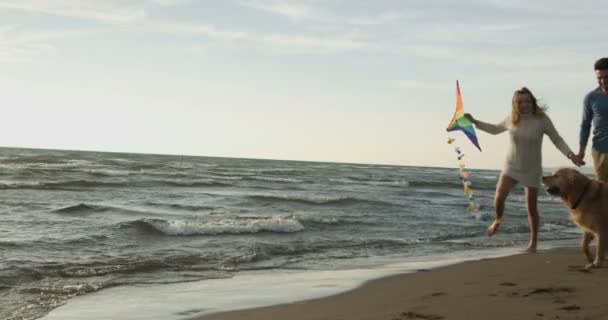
<point x="464" y="176"/>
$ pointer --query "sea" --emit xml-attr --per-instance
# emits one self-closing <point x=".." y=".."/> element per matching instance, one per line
<point x="74" y="223"/>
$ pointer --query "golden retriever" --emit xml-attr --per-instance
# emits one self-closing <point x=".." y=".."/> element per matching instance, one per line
<point x="587" y="200"/>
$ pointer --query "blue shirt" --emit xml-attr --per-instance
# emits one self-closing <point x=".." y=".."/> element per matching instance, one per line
<point x="595" y="110"/>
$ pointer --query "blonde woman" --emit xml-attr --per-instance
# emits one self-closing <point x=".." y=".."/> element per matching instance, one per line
<point x="527" y="124"/>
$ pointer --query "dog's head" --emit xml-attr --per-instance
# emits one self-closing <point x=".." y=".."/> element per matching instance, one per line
<point x="564" y="182"/>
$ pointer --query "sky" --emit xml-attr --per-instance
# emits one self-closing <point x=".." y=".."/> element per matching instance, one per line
<point x="353" y="81"/>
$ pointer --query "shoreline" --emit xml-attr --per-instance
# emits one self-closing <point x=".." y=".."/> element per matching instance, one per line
<point x="248" y="289"/>
<point x="550" y="284"/>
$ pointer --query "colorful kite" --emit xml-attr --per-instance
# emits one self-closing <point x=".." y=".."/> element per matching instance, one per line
<point x="459" y="122"/>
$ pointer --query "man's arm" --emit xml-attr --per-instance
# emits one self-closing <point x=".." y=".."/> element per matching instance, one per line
<point x="585" y="128"/>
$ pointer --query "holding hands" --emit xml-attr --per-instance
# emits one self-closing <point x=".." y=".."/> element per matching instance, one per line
<point x="576" y="159"/>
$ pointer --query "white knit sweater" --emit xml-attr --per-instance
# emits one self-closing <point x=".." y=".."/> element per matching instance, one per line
<point x="524" y="159"/>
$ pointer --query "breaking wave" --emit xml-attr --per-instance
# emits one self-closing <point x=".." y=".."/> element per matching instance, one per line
<point x="239" y="225"/>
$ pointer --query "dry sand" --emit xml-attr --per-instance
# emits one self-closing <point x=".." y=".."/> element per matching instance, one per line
<point x="546" y="285"/>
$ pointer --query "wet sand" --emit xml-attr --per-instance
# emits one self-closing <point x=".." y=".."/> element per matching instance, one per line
<point x="549" y="284"/>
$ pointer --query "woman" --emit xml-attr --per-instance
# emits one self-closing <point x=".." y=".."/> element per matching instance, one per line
<point x="527" y="124"/>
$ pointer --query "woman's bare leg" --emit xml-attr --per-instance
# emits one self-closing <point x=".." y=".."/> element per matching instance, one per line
<point x="503" y="188"/>
<point x="532" y="204"/>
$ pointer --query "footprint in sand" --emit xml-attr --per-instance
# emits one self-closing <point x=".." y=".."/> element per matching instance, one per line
<point x="418" y="316"/>
<point x="507" y="284"/>
<point x="571" y="307"/>
<point x="437" y="294"/>
<point x="550" y="290"/>
<point x="581" y="269"/>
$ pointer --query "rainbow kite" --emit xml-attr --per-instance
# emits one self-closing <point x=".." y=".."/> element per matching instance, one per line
<point x="459" y="122"/>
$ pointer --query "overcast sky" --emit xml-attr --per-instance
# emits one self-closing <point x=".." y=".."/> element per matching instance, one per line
<point x="324" y="80"/>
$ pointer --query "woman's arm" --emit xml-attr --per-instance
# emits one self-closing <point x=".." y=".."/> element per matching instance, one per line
<point x="488" y="127"/>
<point x="559" y="142"/>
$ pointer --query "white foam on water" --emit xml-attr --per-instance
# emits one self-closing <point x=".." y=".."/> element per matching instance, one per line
<point x="226" y="226"/>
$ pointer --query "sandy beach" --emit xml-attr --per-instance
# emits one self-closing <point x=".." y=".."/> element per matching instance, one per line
<point x="547" y="285"/>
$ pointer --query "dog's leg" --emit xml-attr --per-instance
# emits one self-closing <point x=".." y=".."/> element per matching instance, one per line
<point x="587" y="237"/>
<point x="599" y="250"/>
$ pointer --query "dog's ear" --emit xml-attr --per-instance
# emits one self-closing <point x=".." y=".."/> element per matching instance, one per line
<point x="579" y="181"/>
<point x="561" y="178"/>
<point x="566" y="181"/>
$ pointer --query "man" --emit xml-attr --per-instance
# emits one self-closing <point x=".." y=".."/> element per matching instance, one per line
<point x="595" y="111"/>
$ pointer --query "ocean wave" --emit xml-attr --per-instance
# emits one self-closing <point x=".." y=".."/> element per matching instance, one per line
<point x="263" y="174"/>
<point x="435" y="194"/>
<point x="179" y="206"/>
<point x="550" y="227"/>
<point x="34" y="158"/>
<point x="64" y="290"/>
<point x="33" y="294"/>
<point x="275" y="179"/>
<point x="306" y="220"/>
<point x="10" y="244"/>
<point x="482" y="242"/>
<point x="105" y="269"/>
<point x="68" y="166"/>
<point x="369" y="178"/>
<point x="389" y="243"/>
<point x="402" y="182"/>
<point x="239" y="225"/>
<point x="180" y="165"/>
<point x="371" y="182"/>
<point x="61" y="185"/>
<point x="456" y="183"/>
<point x="38" y="300"/>
<point x="195" y="183"/>
<point x="231" y="173"/>
<point x="314" y="200"/>
<point x="226" y="178"/>
<point x="86" y="208"/>
<point x="111" y="173"/>
<point x="135" y="165"/>
<point x="265" y="251"/>
<point x="81" y="184"/>
<point x="81" y="208"/>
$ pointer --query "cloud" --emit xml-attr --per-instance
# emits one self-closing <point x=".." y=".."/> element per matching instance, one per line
<point x="551" y="8"/>
<point x="103" y="11"/>
<point x="471" y="32"/>
<point x="207" y="30"/>
<point x="324" y="44"/>
<point x="169" y="3"/>
<point x="267" y="41"/>
<point x="292" y="10"/>
<point x="381" y="19"/>
<point x="416" y="84"/>
<point x="298" y="12"/>
<point x="515" y="57"/>
<point x="432" y="51"/>
<point x="20" y="45"/>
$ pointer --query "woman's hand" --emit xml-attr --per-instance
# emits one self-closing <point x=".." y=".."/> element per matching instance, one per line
<point x="576" y="159"/>
<point x="470" y="118"/>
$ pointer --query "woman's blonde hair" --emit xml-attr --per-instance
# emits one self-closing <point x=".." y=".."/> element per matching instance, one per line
<point x="537" y="110"/>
